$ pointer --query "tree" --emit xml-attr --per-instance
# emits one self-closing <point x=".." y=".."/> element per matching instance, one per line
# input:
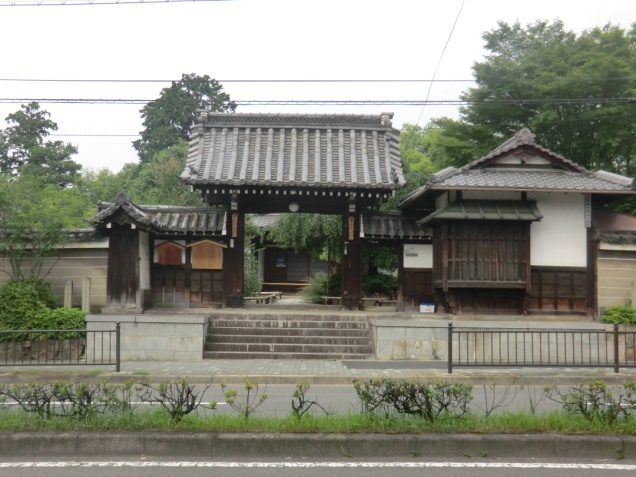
<point x="318" y="235"/>
<point x="24" y="151"/>
<point x="33" y="222"/>
<point x="168" y="119"/>
<point x="572" y="90"/>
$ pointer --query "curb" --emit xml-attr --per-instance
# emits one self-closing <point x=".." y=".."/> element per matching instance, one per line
<point x="85" y="445"/>
<point x="475" y="379"/>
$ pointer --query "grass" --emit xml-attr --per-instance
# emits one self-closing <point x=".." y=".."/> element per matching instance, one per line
<point x="13" y="420"/>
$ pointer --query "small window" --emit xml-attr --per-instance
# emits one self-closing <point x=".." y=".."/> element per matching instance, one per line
<point x="169" y="253"/>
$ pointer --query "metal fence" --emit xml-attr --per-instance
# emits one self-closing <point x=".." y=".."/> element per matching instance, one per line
<point x="61" y="347"/>
<point x="541" y="347"/>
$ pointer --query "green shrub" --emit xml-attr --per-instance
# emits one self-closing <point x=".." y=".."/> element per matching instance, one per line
<point x="20" y="304"/>
<point x="620" y="315"/>
<point x="428" y="401"/>
<point x="61" y="319"/>
<point x="23" y="307"/>
<point x="380" y="284"/>
<point x="317" y="287"/>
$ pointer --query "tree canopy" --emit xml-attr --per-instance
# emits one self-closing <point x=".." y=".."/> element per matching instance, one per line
<point x="168" y="119"/>
<point x="34" y="219"/>
<point x="574" y="91"/>
<point x="24" y="150"/>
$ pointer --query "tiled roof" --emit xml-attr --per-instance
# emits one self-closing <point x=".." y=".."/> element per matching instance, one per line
<point x="344" y="151"/>
<point x="618" y="237"/>
<point x="392" y="226"/>
<point x="563" y="176"/>
<point x="83" y="235"/>
<point x="549" y="180"/>
<point x="162" y="218"/>
<point x="486" y="210"/>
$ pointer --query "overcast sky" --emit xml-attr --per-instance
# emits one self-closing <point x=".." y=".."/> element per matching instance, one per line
<point x="254" y="39"/>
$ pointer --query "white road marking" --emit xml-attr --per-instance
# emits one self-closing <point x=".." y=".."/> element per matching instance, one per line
<point x="306" y="465"/>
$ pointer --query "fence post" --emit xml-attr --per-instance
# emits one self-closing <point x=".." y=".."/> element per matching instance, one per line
<point x="615" y="348"/>
<point x="117" y="347"/>
<point x="450" y="348"/>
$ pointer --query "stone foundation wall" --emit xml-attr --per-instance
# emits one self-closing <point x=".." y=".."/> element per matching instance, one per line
<point x="152" y="337"/>
<point x="427" y="339"/>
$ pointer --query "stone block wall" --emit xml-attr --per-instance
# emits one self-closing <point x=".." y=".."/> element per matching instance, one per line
<point x="152" y="337"/>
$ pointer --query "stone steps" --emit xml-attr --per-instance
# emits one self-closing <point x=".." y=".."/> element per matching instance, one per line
<point x="222" y="339"/>
<point x="272" y="336"/>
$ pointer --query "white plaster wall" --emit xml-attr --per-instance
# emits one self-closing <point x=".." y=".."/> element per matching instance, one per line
<point x="441" y="201"/>
<point x="418" y="255"/>
<point x="560" y="238"/>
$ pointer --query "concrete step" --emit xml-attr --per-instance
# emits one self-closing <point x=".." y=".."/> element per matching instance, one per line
<point x="332" y="349"/>
<point x="261" y="323"/>
<point x="289" y="317"/>
<point x="214" y="340"/>
<point x="281" y="355"/>
<point x="256" y="331"/>
<point x="271" y="336"/>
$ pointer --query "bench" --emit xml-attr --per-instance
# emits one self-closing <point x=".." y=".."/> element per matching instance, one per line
<point x="264" y="298"/>
<point x="331" y="300"/>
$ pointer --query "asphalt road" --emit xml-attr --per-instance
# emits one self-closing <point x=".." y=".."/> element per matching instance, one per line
<point x="343" y="398"/>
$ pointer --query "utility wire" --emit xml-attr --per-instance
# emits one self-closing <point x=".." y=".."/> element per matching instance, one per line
<point x="439" y="62"/>
<point x="505" y="80"/>
<point x="354" y="102"/>
<point x="71" y="3"/>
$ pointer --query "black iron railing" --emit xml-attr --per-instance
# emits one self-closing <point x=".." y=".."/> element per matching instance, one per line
<point x="61" y="347"/>
<point x="541" y="348"/>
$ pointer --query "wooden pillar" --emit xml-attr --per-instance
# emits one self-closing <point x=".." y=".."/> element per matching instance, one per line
<point x="122" y="282"/>
<point x="234" y="259"/>
<point x="351" y="260"/>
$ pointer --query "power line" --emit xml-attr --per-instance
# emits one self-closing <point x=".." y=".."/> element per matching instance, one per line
<point x="71" y="3"/>
<point x="55" y="80"/>
<point x="439" y="62"/>
<point x="333" y="80"/>
<point x="313" y="102"/>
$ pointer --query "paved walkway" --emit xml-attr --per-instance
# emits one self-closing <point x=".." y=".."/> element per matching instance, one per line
<point x="281" y="371"/>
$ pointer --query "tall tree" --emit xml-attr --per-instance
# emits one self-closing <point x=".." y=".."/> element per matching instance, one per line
<point x="24" y="150"/>
<point x="168" y="119"/>
<point x="572" y="90"/>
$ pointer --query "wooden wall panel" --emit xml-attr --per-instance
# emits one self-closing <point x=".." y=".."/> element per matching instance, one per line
<point x="169" y="286"/>
<point x="207" y="256"/>
<point x="481" y="253"/>
<point x="558" y="290"/>
<point x="206" y="287"/>
<point x="417" y="286"/>
<point x="486" y="301"/>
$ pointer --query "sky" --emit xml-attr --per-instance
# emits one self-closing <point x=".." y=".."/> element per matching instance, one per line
<point x="254" y="40"/>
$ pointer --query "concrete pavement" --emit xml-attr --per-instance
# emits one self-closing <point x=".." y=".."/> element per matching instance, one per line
<point x="281" y="371"/>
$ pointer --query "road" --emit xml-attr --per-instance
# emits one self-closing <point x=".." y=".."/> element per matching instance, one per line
<point x="342" y="468"/>
<point x="343" y="398"/>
